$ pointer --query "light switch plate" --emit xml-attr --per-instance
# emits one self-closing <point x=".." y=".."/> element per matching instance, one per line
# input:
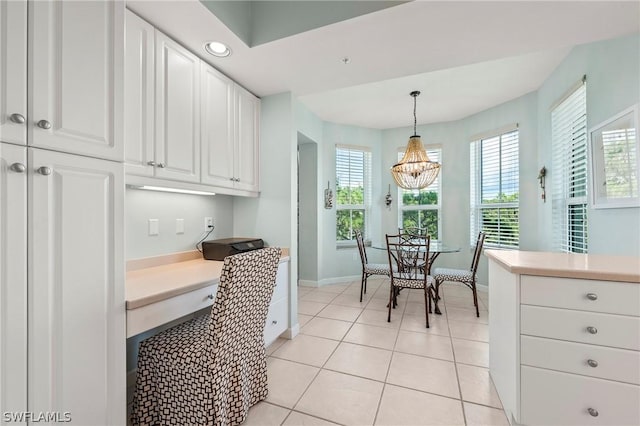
<point x="179" y="226"/>
<point x="154" y="227"/>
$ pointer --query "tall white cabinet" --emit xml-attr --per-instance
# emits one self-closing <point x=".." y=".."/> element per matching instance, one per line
<point x="62" y="309"/>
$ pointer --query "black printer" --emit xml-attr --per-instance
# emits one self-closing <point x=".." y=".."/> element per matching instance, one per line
<point x="219" y="249"/>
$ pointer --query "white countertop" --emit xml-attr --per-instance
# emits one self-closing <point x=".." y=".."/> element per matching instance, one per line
<point x="569" y="265"/>
<point x="158" y="278"/>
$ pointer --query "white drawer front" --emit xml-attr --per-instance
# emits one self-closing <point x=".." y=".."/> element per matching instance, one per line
<point x="589" y="360"/>
<point x="610" y="330"/>
<point x="276" y="321"/>
<point x="150" y="316"/>
<point x="554" y="398"/>
<point x="610" y="297"/>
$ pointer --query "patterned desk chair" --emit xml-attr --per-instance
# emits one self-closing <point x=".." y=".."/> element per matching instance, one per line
<point x="466" y="277"/>
<point x="212" y="369"/>
<point x="368" y="269"/>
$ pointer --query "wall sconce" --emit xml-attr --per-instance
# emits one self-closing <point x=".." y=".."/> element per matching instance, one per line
<point x="541" y="176"/>
<point x="387" y="199"/>
<point x="328" y="197"/>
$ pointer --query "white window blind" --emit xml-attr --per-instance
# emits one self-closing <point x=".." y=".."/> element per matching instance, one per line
<point x="495" y="183"/>
<point x="421" y="208"/>
<point x="569" y="168"/>
<point x="353" y="191"/>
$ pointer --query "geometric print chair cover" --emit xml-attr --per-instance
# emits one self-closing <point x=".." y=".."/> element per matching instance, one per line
<point x="212" y="369"/>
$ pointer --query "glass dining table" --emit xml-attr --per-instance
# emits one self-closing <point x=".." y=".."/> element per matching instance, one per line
<point x="435" y="248"/>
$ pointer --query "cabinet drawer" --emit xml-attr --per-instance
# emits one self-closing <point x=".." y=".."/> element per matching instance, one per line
<point x="608" y="363"/>
<point x="149" y="316"/>
<point x="617" y="331"/>
<point x="555" y="398"/>
<point x="276" y="321"/>
<point x="610" y="297"/>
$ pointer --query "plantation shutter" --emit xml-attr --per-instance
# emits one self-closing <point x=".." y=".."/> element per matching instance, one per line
<point x="569" y="172"/>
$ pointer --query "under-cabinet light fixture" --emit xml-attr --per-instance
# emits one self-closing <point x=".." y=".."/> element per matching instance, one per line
<point x="175" y="190"/>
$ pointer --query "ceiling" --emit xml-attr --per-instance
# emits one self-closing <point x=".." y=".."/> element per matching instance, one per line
<point x="464" y="56"/>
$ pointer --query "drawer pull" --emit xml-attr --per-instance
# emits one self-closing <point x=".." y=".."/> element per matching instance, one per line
<point x="592" y="296"/>
<point x="592" y="363"/>
<point x="592" y="330"/>
<point x="593" y="412"/>
<point x="210" y="297"/>
<point x="274" y="322"/>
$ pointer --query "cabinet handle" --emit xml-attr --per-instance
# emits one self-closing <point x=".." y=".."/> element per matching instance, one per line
<point x="592" y="296"/>
<point x="232" y="179"/>
<point x="17" y="118"/>
<point x="274" y="322"/>
<point x="592" y="363"/>
<point x="237" y="179"/>
<point x="162" y="165"/>
<point x="46" y="171"/>
<point x="210" y="297"/>
<point x="592" y="330"/>
<point x="44" y="124"/>
<point x="151" y="163"/>
<point x="17" y="167"/>
<point x="593" y="412"/>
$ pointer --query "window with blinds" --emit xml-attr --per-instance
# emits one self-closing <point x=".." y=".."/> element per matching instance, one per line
<point x="353" y="191"/>
<point x="569" y="168"/>
<point x="421" y="208"/>
<point x="495" y="183"/>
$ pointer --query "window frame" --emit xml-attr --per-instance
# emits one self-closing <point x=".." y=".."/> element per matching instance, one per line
<point x="477" y="206"/>
<point x="565" y="166"/>
<point x="418" y="207"/>
<point x="366" y="206"/>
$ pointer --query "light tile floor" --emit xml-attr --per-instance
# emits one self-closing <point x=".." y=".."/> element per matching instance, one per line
<point x="350" y="366"/>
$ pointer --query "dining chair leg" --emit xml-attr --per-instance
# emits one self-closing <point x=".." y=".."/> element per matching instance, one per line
<point x="391" y="291"/>
<point x="475" y="298"/>
<point x="436" y="298"/>
<point x="362" y="285"/>
<point x="366" y="277"/>
<point x="426" y="306"/>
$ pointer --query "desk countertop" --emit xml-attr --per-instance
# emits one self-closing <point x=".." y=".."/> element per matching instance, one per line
<point x="158" y="278"/>
<point x="569" y="265"/>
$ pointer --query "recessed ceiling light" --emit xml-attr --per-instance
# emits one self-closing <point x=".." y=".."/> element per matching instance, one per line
<point x="218" y="49"/>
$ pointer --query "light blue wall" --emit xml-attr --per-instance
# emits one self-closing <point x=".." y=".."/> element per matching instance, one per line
<point x="167" y="207"/>
<point x="272" y="216"/>
<point x="613" y="83"/>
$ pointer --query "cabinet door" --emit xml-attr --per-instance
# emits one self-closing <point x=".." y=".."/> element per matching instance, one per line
<point x="76" y="55"/>
<point x="247" y="140"/>
<point x="139" y="96"/>
<point x="76" y="287"/>
<point x="177" y="111"/>
<point x="13" y="279"/>
<point x="13" y="71"/>
<point x="217" y="128"/>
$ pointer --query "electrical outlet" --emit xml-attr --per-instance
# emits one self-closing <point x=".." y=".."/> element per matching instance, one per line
<point x="208" y="224"/>
<point x="179" y="226"/>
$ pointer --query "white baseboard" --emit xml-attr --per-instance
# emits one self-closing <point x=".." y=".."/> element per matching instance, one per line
<point x="291" y="332"/>
<point x="328" y="281"/>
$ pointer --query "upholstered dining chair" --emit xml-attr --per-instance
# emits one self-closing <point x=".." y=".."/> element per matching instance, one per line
<point x="368" y="269"/>
<point x="212" y="369"/>
<point x="408" y="268"/>
<point x="465" y="276"/>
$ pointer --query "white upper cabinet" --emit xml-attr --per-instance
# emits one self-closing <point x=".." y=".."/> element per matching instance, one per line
<point x="13" y="278"/>
<point x="13" y="71"/>
<point x="139" y="96"/>
<point x="217" y="128"/>
<point x="247" y="140"/>
<point x="177" y="121"/>
<point x="76" y="77"/>
<point x="76" y="287"/>
<point x="230" y="125"/>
